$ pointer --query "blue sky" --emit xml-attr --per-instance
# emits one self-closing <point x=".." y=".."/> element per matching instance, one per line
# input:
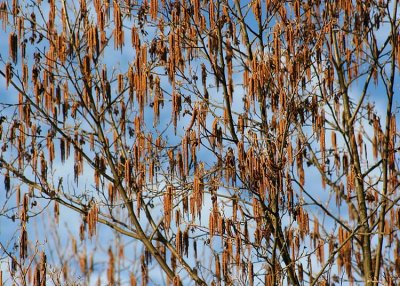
<point x="70" y="221"/>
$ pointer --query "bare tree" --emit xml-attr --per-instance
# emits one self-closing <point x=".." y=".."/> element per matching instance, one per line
<point x="215" y="142"/>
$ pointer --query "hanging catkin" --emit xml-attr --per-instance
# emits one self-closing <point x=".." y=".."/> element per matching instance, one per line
<point x="13" y="47"/>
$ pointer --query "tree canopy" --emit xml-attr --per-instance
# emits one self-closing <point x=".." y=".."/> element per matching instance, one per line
<point x="199" y="142"/>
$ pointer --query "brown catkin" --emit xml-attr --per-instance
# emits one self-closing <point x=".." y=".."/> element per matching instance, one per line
<point x="250" y="273"/>
<point x="8" y="74"/>
<point x="4" y="14"/>
<point x="168" y="207"/>
<point x="132" y="279"/>
<point x="13" y="46"/>
<point x="110" y="269"/>
<point x="153" y="9"/>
